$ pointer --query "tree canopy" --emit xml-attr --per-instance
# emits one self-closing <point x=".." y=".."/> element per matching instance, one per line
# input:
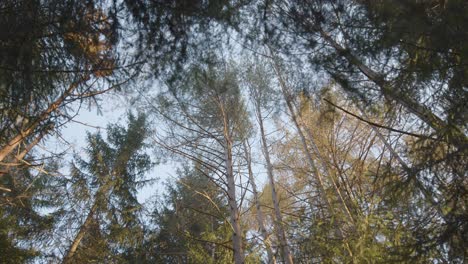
<point x="299" y="131"/>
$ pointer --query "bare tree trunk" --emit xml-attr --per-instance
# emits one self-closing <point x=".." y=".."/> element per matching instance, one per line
<point x="325" y="167"/>
<point x="288" y="100"/>
<point x="231" y="187"/>
<point x="234" y="211"/>
<point x="259" y="216"/>
<point x="279" y="218"/>
<point x="81" y="233"/>
<point x="455" y="134"/>
<point x="16" y="140"/>
<point x="298" y="124"/>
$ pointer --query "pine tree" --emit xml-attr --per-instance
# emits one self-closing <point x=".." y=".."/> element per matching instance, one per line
<point x="192" y="222"/>
<point x="103" y="205"/>
<point x="206" y="119"/>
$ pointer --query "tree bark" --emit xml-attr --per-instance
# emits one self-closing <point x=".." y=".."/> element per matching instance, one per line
<point x="454" y="134"/>
<point x="287" y="257"/>
<point x="16" y="140"/>
<point x="231" y="189"/>
<point x="234" y="211"/>
<point x="81" y="233"/>
<point x="259" y="215"/>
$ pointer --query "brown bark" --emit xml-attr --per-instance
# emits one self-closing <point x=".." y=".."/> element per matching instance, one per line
<point x="81" y="233"/>
<point x="18" y="158"/>
<point x="29" y="130"/>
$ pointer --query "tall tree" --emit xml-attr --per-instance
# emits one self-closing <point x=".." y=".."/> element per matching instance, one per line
<point x="258" y="206"/>
<point x="207" y="119"/>
<point x="172" y="32"/>
<point x="261" y="92"/>
<point x="28" y="192"/>
<point x="106" y="186"/>
<point x="51" y="53"/>
<point x="394" y="53"/>
<point x="192" y="222"/>
<point x="355" y="57"/>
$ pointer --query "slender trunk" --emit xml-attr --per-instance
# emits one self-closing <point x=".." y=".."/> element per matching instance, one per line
<point x="325" y="168"/>
<point x="297" y="119"/>
<point x="18" y="158"/>
<point x="259" y="216"/>
<point x="16" y="140"/>
<point x="287" y="99"/>
<point x="234" y="211"/>
<point x="297" y="123"/>
<point x="213" y="245"/>
<point x="455" y="135"/>
<point x="81" y="233"/>
<point x="102" y="190"/>
<point x="231" y="188"/>
<point x="279" y="218"/>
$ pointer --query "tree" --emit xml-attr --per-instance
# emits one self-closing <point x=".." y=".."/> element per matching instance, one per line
<point x="192" y="222"/>
<point x="169" y="33"/>
<point x="58" y="55"/>
<point x="206" y="118"/>
<point x="106" y="185"/>
<point x="51" y="55"/>
<point x="260" y="93"/>
<point x="26" y="194"/>
<point x="360" y="113"/>
<point x="354" y="58"/>
<point x="258" y="206"/>
<point x="396" y="54"/>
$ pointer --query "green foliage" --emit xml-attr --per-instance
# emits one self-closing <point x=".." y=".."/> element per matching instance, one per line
<point x="408" y="56"/>
<point x="191" y="223"/>
<point x="170" y="33"/>
<point x="24" y="229"/>
<point x="45" y="47"/>
<point x="106" y="185"/>
<point x="389" y="183"/>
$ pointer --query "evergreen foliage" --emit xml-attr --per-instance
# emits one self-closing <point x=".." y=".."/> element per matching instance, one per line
<point x="302" y="131"/>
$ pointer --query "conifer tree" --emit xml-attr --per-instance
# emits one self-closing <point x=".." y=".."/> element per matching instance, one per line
<point x="192" y="222"/>
<point x="103" y="205"/>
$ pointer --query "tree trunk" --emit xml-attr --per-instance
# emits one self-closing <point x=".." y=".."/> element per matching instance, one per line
<point x="81" y="233"/>
<point x="18" y="158"/>
<point x="297" y="122"/>
<point x="234" y="211"/>
<point x="16" y="140"/>
<point x="259" y="216"/>
<point x="287" y="257"/>
<point x="455" y="134"/>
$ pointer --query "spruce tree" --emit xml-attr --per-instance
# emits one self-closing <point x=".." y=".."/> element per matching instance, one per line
<point x="103" y="205"/>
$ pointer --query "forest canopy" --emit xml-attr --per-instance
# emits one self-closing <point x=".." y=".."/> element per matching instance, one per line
<point x="296" y="131"/>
